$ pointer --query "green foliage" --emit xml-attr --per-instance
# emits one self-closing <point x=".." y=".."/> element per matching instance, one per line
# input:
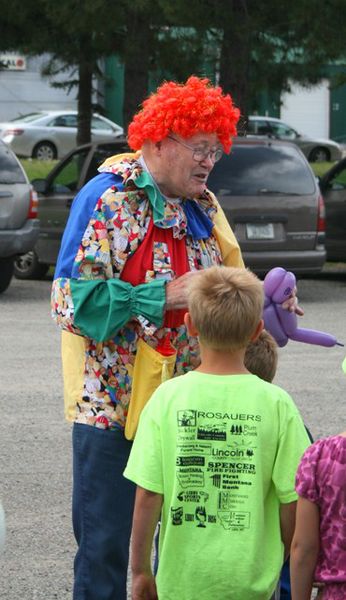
<point x="265" y="44"/>
<point x="76" y="34"/>
<point x="249" y="45"/>
<point x="181" y="51"/>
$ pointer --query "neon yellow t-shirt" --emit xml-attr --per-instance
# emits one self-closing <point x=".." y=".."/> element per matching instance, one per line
<point x="223" y="451"/>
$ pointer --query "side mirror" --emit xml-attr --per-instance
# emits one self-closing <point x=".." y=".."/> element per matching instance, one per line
<point x="40" y="185"/>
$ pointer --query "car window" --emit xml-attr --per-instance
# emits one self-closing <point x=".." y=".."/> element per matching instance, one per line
<point x="282" y="130"/>
<point x="67" y="178"/>
<point x="64" y="121"/>
<point x="97" y="123"/>
<point x="256" y="170"/>
<point x="100" y="155"/>
<point x="10" y="170"/>
<point x="258" y="127"/>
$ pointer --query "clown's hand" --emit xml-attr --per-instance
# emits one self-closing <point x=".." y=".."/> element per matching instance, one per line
<point x="291" y="304"/>
<point x="177" y="291"/>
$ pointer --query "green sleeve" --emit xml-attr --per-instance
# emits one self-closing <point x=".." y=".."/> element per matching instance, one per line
<point x="292" y="445"/>
<point x="145" y="467"/>
<point x="102" y="308"/>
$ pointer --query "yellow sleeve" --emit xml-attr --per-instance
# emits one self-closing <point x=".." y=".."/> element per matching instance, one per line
<point x="231" y="253"/>
<point x="73" y="365"/>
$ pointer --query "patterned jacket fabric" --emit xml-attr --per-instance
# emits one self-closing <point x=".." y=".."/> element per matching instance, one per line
<point x="111" y="218"/>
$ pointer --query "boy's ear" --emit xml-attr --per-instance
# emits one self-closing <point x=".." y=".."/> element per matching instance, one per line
<point x="189" y="325"/>
<point x="257" y="331"/>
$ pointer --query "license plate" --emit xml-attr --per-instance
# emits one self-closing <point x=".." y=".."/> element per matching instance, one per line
<point x="260" y="232"/>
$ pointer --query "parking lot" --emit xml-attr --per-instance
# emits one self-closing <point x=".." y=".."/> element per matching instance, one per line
<point x="35" y="474"/>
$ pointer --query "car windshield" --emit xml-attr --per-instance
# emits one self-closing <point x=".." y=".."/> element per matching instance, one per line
<point x="28" y="118"/>
<point x="10" y="171"/>
<point x="259" y="170"/>
<point x="99" y="156"/>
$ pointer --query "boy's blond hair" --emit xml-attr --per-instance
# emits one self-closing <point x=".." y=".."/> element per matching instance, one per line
<point x="261" y="356"/>
<point x="225" y="305"/>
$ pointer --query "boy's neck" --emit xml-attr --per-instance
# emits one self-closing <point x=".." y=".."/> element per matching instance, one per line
<point x="216" y="362"/>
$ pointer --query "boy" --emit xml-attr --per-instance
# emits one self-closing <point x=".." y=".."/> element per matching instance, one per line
<point x="216" y="453"/>
<point x="261" y="359"/>
<point x="261" y="356"/>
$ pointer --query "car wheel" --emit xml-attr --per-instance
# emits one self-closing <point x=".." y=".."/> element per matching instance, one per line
<point x="26" y="266"/>
<point x="44" y="151"/>
<point x="6" y="272"/>
<point x="319" y="154"/>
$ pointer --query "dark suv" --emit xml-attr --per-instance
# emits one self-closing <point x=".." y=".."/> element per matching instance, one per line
<point x="272" y="200"/>
<point x="19" y="226"/>
<point x="266" y="188"/>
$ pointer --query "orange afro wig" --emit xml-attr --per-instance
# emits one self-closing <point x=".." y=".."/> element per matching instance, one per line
<point x="185" y="109"/>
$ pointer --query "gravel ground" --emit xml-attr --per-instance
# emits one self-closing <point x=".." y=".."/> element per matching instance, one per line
<point x="35" y="473"/>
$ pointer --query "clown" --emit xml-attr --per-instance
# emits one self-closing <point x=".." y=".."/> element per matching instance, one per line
<point x="136" y="235"/>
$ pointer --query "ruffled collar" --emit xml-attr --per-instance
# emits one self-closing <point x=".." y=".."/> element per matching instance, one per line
<point x="192" y="216"/>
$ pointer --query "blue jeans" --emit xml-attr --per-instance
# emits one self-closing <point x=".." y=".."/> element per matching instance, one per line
<point x="285" y="581"/>
<point x="102" y="507"/>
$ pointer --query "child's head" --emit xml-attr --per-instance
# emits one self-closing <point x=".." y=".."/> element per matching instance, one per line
<point x="261" y="356"/>
<point x="225" y="306"/>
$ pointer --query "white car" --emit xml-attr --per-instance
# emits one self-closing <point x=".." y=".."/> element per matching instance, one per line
<point x="51" y="134"/>
<point x="315" y="150"/>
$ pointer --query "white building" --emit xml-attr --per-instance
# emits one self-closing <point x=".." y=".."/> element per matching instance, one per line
<point x="23" y="90"/>
<point x="308" y="109"/>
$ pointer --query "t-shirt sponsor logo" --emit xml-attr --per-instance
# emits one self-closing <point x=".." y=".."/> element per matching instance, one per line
<point x="229" y="416"/>
<point x="194" y="448"/>
<point x="185" y="461"/>
<point x="188" y="479"/>
<point x="235" y="520"/>
<point x="236" y="453"/>
<point x="193" y="496"/>
<point x="245" y="430"/>
<point x="200" y="516"/>
<point x="177" y="515"/>
<point x="207" y="432"/>
<point x="233" y="467"/>
<point x="186" y="418"/>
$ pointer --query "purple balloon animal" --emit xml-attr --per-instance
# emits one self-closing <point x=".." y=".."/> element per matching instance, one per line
<point x="281" y="323"/>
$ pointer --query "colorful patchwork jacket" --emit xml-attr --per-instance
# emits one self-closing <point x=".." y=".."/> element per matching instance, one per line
<point x="121" y="245"/>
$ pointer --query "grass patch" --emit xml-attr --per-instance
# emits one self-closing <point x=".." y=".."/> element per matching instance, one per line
<point x="320" y="168"/>
<point x="37" y="169"/>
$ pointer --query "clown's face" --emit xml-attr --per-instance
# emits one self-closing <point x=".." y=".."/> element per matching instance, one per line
<point x="184" y="164"/>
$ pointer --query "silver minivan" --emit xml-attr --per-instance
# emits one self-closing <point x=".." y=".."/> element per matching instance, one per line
<point x="19" y="226"/>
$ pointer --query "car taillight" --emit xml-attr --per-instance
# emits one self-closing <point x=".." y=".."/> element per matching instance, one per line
<point x="321" y="216"/>
<point x="13" y="132"/>
<point x="33" y="206"/>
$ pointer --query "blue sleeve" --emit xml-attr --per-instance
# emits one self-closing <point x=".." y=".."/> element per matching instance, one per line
<point x="81" y="211"/>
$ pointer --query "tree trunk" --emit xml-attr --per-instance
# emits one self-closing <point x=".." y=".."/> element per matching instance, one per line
<point x="85" y="71"/>
<point x="235" y="54"/>
<point x="136" y="59"/>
